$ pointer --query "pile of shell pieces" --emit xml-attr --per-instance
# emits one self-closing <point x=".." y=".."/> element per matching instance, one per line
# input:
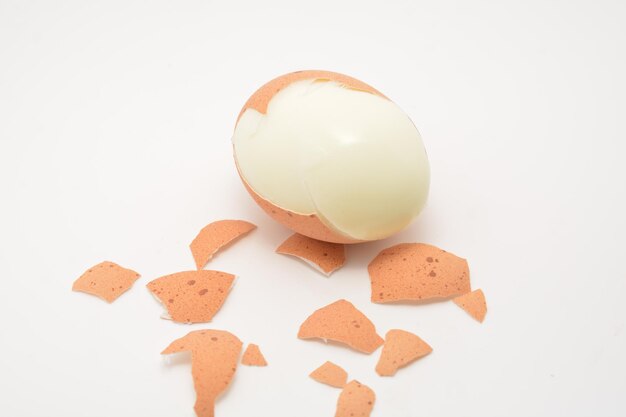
<point x="408" y="271"/>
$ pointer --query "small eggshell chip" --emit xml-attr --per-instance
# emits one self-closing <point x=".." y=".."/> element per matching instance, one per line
<point x="214" y="358"/>
<point x="473" y="303"/>
<point x="253" y="356"/>
<point x="215" y="236"/>
<point x="106" y="280"/>
<point x="342" y="322"/>
<point x="325" y="257"/>
<point x="192" y="296"/>
<point x="330" y="374"/>
<point x="417" y="271"/>
<point x="400" y="349"/>
<point x="355" y="400"/>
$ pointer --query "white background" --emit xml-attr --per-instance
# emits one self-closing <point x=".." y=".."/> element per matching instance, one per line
<point x="115" y="124"/>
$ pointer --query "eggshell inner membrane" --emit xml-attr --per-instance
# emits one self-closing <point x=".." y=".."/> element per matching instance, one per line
<point x="351" y="157"/>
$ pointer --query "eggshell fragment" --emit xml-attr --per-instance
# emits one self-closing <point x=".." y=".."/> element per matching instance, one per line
<point x="330" y="374"/>
<point x="342" y="322"/>
<point x="325" y="257"/>
<point x="214" y="358"/>
<point x="192" y="296"/>
<point x="400" y="349"/>
<point x="474" y="303"/>
<point x="253" y="356"/>
<point x="106" y="280"/>
<point x="355" y="400"/>
<point x="417" y="271"/>
<point x="215" y="236"/>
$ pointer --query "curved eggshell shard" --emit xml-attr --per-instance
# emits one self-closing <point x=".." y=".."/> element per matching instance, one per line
<point x="192" y="296"/>
<point x="355" y="400"/>
<point x="325" y="257"/>
<point x="215" y="236"/>
<point x="253" y="356"/>
<point x="417" y="271"/>
<point x="106" y="280"/>
<point x="342" y="322"/>
<point x="330" y="374"/>
<point x="473" y="303"/>
<point x="308" y="224"/>
<point x="214" y="358"/>
<point x="400" y="349"/>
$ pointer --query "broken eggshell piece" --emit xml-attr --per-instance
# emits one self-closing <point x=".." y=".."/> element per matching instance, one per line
<point x="342" y="322"/>
<point x="325" y="257"/>
<point x="192" y="296"/>
<point x="355" y="400"/>
<point x="473" y="303"/>
<point x="106" y="280"/>
<point x="214" y="359"/>
<point x="330" y="374"/>
<point x="253" y="356"/>
<point x="417" y="271"/>
<point x="400" y="349"/>
<point x="216" y="236"/>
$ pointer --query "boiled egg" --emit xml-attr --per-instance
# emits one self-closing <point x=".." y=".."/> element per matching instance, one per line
<point x="331" y="157"/>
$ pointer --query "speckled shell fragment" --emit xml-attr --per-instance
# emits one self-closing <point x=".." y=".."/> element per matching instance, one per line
<point x="342" y="322"/>
<point x="216" y="236"/>
<point x="192" y="296"/>
<point x="325" y="257"/>
<point x="106" y="280"/>
<point x="214" y="359"/>
<point x="417" y="271"/>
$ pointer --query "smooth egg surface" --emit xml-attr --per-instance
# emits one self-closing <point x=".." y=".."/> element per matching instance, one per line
<point x="351" y="157"/>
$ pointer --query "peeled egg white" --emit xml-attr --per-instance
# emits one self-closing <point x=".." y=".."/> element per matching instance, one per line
<point x="350" y="157"/>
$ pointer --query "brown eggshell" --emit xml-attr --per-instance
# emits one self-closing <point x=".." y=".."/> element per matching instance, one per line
<point x="474" y="303"/>
<point x="330" y="374"/>
<point x="214" y="358"/>
<point x="106" y="280"/>
<point x="342" y="322"/>
<point x="307" y="224"/>
<point x="355" y="400"/>
<point x="400" y="349"/>
<point x="253" y="356"/>
<point x="216" y="236"/>
<point x="416" y="271"/>
<point x="192" y="296"/>
<point x="325" y="257"/>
